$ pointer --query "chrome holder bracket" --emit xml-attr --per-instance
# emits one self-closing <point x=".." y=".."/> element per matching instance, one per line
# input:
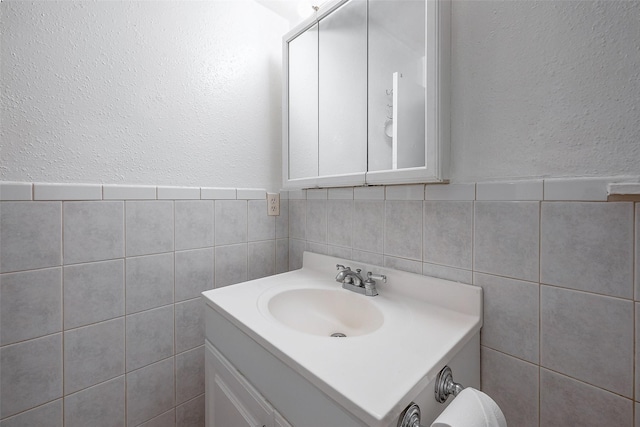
<point x="410" y="417"/>
<point x="445" y="385"/>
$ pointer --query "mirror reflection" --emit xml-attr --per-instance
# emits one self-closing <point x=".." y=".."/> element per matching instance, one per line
<point x="343" y="90"/>
<point x="303" y="105"/>
<point x="397" y="84"/>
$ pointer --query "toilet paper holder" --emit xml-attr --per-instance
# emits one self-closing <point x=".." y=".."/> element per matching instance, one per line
<point x="445" y="386"/>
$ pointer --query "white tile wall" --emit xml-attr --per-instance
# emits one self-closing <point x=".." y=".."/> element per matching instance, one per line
<point x="63" y="306"/>
<point x="523" y="237"/>
<point x="521" y="365"/>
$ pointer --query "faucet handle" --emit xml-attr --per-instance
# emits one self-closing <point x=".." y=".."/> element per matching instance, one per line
<point x="373" y="276"/>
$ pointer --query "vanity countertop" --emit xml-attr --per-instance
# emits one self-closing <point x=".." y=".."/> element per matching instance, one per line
<point x="425" y="321"/>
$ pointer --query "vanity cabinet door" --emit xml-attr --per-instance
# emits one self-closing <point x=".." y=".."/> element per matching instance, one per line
<point x="231" y="400"/>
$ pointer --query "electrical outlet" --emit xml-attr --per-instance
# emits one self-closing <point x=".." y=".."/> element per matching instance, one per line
<point x="273" y="204"/>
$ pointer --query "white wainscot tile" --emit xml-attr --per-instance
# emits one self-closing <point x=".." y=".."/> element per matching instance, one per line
<point x="46" y="191"/>
<point x="585" y="189"/>
<point x="405" y="192"/>
<point x="252" y="194"/>
<point x="450" y="192"/>
<point x="341" y="193"/>
<point x="317" y="194"/>
<point x="16" y="191"/>
<point x="517" y="190"/>
<point x="212" y="193"/>
<point x="368" y="193"/>
<point x="177" y="193"/>
<point x="129" y="192"/>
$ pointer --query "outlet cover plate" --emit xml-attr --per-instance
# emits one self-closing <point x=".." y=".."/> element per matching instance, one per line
<point x="273" y="204"/>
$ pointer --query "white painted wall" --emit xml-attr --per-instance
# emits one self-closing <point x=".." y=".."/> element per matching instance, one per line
<point x="545" y="88"/>
<point x="188" y="93"/>
<point x="149" y="92"/>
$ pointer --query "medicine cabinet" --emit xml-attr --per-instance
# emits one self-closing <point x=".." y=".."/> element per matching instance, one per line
<point x="366" y="94"/>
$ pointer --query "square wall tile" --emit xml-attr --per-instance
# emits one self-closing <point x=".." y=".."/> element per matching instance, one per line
<point x="31" y="235"/>
<point x="506" y="241"/>
<point x="189" y="374"/>
<point x="282" y="220"/>
<point x="150" y="391"/>
<point x="194" y="224"/>
<point x="149" y="227"/>
<point x="577" y="335"/>
<point x="340" y="222"/>
<point x="31" y="304"/>
<point x="513" y="384"/>
<point x="296" y="251"/>
<point x="448" y="273"/>
<point x="448" y="233"/>
<point x="98" y="406"/>
<point x="367" y="257"/>
<point x="230" y="221"/>
<point x="297" y="219"/>
<point x="49" y="415"/>
<point x="318" y="248"/>
<point x="93" y="292"/>
<point x="261" y="259"/>
<point x="261" y="226"/>
<point x="149" y="282"/>
<point x="511" y="316"/>
<point x="93" y="231"/>
<point x="194" y="273"/>
<point x="30" y="374"/>
<point x="191" y="413"/>
<point x="403" y="264"/>
<point x="339" y="252"/>
<point x="93" y="354"/>
<point x="316" y="221"/>
<point x="588" y="246"/>
<point x="282" y="256"/>
<point x="368" y="228"/>
<point x="150" y="337"/>
<point x="189" y="324"/>
<point x="231" y="265"/>
<point x="403" y="229"/>
<point x="167" y="419"/>
<point x="567" y="402"/>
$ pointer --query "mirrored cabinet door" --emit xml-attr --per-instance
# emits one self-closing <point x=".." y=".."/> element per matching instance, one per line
<point x="397" y="84"/>
<point x="343" y="90"/>
<point x="303" y="104"/>
<point x="367" y="94"/>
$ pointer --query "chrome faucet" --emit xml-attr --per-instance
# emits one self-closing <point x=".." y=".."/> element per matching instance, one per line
<point x="353" y="281"/>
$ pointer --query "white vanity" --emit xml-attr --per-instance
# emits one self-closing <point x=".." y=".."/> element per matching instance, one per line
<point x="271" y="359"/>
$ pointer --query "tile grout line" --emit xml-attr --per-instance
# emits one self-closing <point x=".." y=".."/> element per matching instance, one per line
<point x="62" y="205"/>
<point x="124" y="281"/>
<point x="540" y="307"/>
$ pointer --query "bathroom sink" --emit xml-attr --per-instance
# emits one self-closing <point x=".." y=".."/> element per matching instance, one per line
<point x="323" y="312"/>
<point x="395" y="345"/>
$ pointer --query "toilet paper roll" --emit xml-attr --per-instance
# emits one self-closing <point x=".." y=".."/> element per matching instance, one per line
<point x="471" y="408"/>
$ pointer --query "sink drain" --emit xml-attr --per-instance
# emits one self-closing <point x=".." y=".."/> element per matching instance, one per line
<point x="338" y="335"/>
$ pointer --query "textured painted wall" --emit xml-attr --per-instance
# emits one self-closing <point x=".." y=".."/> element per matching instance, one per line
<point x="545" y="88"/>
<point x="180" y="93"/>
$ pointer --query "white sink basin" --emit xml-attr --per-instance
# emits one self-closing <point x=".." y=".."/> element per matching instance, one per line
<point x="323" y="312"/>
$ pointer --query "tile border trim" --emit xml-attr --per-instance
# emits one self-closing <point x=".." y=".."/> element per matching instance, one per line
<point x="600" y="189"/>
